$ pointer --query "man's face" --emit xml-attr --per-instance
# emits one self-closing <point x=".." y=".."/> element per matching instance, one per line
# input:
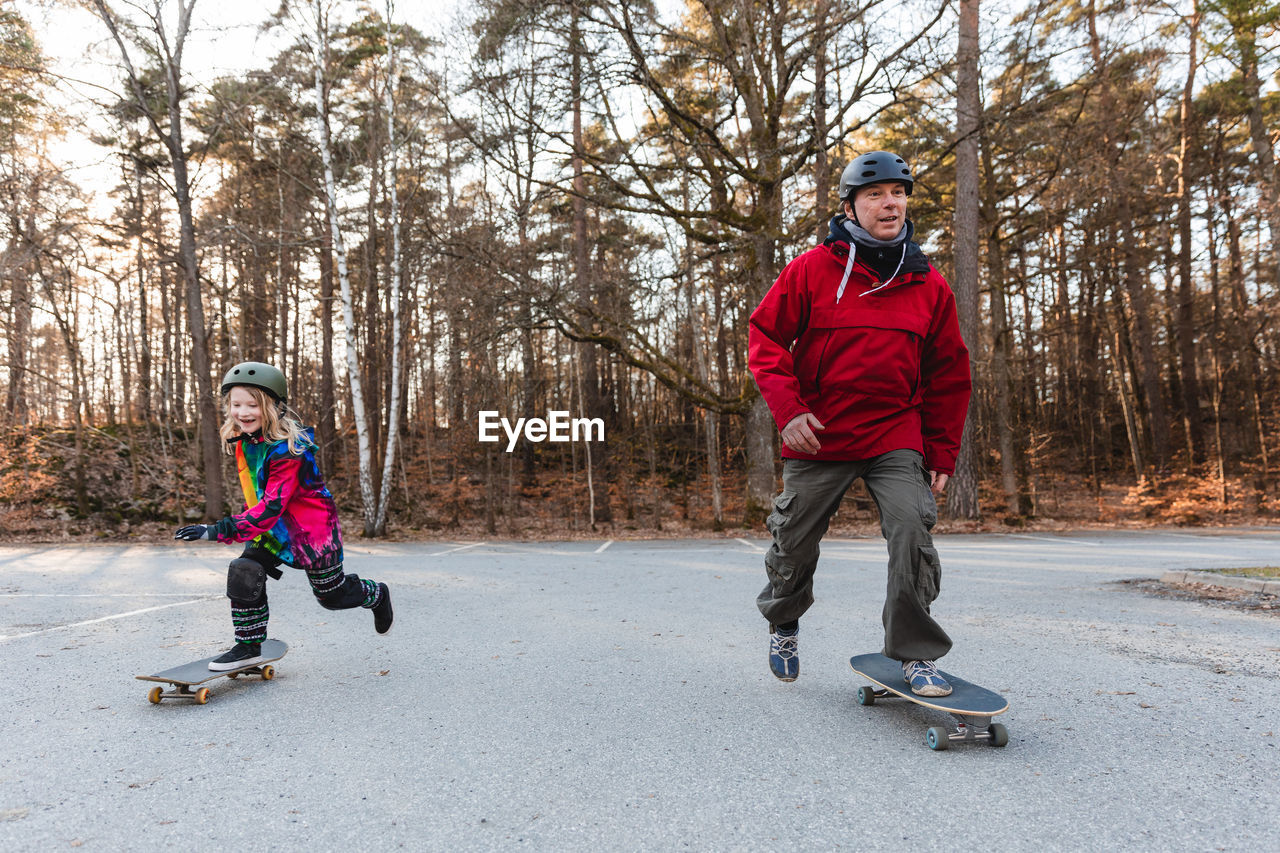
<point x="881" y="208"/>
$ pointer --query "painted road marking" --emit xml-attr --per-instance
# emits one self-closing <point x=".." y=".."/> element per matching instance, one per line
<point x="455" y="550"/>
<point x="1059" y="540"/>
<point x="107" y="618"/>
<point x="94" y="594"/>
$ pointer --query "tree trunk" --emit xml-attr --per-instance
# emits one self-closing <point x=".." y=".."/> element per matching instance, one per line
<point x="1186" y="287"/>
<point x="962" y="500"/>
<point x="601" y="510"/>
<point x="1244" y="31"/>
<point x="344" y="279"/>
<point x="821" y="168"/>
<point x="19" y="337"/>
<point x="393" y="419"/>
<point x="144" y="310"/>
<point x="328" y="399"/>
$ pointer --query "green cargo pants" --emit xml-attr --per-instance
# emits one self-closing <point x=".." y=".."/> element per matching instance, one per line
<point x="811" y="493"/>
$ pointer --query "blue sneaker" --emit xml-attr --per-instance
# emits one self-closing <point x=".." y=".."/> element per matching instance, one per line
<point x="784" y="659"/>
<point x="924" y="678"/>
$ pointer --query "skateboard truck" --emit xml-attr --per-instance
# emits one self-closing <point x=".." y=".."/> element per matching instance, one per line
<point x="967" y="729"/>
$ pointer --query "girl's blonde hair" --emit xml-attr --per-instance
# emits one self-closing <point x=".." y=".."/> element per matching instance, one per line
<point x="277" y="424"/>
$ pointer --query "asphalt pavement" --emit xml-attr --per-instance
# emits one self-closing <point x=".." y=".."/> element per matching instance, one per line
<point x="615" y="695"/>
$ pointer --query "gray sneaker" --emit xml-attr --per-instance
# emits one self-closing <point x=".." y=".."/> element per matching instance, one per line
<point x="784" y="656"/>
<point x="924" y="678"/>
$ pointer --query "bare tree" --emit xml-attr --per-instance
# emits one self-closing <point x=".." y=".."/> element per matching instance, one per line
<point x="962" y="502"/>
<point x="168" y="130"/>
<point x="393" y="420"/>
<point x="320" y="54"/>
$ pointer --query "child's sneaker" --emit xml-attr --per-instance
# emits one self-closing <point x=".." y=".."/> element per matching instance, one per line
<point x="241" y="654"/>
<point x="382" y="614"/>
<point x="784" y="656"/>
<point x="924" y="678"/>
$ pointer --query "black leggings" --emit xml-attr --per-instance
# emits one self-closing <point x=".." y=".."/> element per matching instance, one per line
<point x="333" y="589"/>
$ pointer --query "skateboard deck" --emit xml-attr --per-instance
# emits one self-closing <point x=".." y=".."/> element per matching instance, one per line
<point x="971" y="706"/>
<point x="196" y="673"/>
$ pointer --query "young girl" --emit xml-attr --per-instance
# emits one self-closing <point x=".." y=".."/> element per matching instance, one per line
<point x="289" y="515"/>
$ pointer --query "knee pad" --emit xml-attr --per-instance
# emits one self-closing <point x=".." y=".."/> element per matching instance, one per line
<point x="246" y="580"/>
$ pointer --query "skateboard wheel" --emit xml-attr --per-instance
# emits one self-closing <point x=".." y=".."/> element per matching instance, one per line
<point x="268" y="673"/>
<point x="233" y="676"/>
<point x="202" y="696"/>
<point x="999" y="734"/>
<point x="153" y="695"/>
<point x="866" y="696"/>
<point x="937" y="738"/>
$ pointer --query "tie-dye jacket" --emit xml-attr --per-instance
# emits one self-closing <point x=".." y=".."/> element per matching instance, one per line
<point x="295" y="517"/>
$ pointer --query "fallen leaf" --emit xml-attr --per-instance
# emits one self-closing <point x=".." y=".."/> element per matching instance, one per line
<point x="384" y="672"/>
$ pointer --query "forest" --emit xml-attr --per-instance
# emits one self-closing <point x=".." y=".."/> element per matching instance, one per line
<point x="422" y="212"/>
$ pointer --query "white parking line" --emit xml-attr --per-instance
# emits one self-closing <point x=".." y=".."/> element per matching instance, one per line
<point x="1060" y="540"/>
<point x="455" y="550"/>
<point x="94" y="594"/>
<point x="106" y="618"/>
<point x="602" y="547"/>
<point x="751" y="545"/>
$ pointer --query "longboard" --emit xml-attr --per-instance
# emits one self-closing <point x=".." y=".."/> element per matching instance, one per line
<point x="196" y="673"/>
<point x="971" y="706"/>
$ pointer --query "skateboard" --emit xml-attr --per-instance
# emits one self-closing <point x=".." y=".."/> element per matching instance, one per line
<point x="971" y="706"/>
<point x="194" y="674"/>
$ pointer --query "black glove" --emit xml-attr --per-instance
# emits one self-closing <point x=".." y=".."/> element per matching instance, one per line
<point x="192" y="532"/>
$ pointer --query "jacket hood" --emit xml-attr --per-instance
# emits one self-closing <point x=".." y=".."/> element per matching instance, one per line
<point x="915" y="259"/>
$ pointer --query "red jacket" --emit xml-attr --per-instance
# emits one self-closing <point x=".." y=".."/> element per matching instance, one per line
<point x="883" y="368"/>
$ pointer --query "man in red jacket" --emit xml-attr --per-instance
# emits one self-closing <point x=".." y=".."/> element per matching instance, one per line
<point x="858" y="353"/>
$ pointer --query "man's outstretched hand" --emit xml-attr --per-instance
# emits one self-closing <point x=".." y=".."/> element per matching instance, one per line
<point x="799" y="435"/>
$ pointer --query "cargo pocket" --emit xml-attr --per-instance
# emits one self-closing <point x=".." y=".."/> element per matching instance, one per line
<point x="929" y="575"/>
<point x="781" y="512"/>
<point x="928" y="506"/>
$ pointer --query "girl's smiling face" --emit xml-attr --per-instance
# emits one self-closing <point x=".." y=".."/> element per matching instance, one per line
<point x="244" y="409"/>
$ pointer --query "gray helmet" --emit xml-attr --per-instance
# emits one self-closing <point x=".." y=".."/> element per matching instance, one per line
<point x="873" y="168"/>
<point x="256" y="374"/>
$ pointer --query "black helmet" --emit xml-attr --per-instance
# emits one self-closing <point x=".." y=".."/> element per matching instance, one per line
<point x="256" y="374"/>
<point x="873" y="168"/>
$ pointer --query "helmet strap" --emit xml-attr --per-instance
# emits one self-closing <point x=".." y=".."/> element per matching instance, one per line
<point x="852" y="215"/>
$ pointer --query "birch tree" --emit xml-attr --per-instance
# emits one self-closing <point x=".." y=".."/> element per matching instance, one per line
<point x="393" y="420"/>
<point x="320" y="49"/>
